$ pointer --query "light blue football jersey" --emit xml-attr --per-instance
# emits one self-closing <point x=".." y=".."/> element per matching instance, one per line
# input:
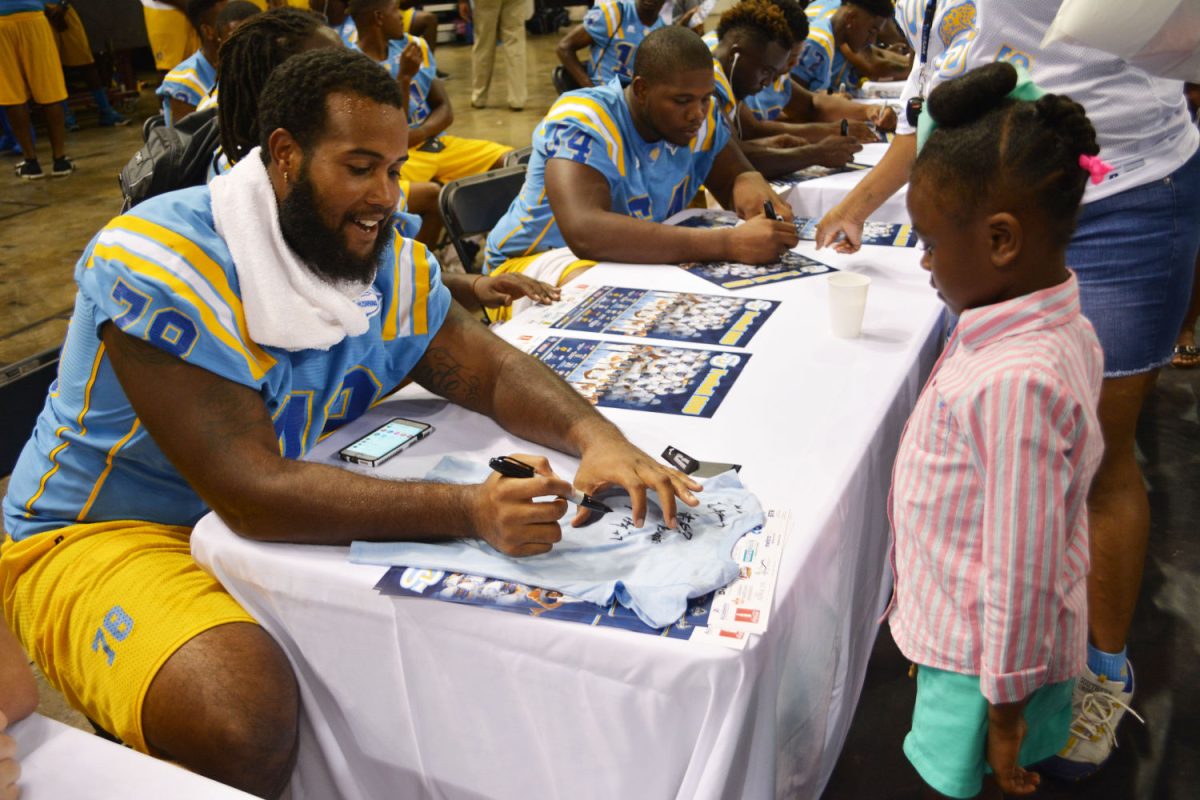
<point x="771" y="101"/>
<point x="821" y="65"/>
<point x="647" y="180"/>
<point x="422" y="82"/>
<point x="162" y="274"/>
<point x="616" y="33"/>
<point x="347" y="31"/>
<point x="190" y="82"/>
<point x="722" y="88"/>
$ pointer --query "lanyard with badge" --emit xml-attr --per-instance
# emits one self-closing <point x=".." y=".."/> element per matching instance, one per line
<point x="912" y="111"/>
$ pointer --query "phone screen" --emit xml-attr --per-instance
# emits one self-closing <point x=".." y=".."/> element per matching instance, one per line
<point x="386" y="439"/>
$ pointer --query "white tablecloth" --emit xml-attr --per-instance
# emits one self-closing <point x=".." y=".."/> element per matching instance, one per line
<point x="59" y="762"/>
<point x="418" y="698"/>
<point x="813" y="198"/>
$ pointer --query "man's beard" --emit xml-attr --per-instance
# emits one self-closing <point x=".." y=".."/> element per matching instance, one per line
<point x="322" y="249"/>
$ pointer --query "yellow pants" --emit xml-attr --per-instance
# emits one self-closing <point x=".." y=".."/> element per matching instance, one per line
<point x="101" y="607"/>
<point x="29" y="66"/>
<point x="74" y="49"/>
<point x="459" y="158"/>
<point x="172" y="37"/>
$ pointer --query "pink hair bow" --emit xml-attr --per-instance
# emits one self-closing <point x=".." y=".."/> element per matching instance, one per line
<point x="1095" y="167"/>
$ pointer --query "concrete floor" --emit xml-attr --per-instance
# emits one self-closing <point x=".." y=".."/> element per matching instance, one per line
<point x="46" y="224"/>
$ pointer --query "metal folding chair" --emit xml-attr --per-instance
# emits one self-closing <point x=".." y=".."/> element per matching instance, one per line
<point x="475" y="204"/>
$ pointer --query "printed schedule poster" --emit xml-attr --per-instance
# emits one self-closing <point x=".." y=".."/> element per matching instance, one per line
<point x="653" y="314"/>
<point x="883" y="234"/>
<point x="641" y="377"/>
<point x="731" y="275"/>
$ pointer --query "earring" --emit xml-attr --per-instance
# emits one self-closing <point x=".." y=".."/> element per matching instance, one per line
<point x="287" y="178"/>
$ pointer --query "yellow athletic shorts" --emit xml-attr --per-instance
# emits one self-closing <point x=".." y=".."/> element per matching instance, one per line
<point x="172" y="37"/>
<point x="101" y="607"/>
<point x="519" y="264"/>
<point x="458" y="158"/>
<point x="74" y="49"/>
<point x="29" y="66"/>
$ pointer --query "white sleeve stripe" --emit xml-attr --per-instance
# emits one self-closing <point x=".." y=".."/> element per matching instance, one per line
<point x="177" y="266"/>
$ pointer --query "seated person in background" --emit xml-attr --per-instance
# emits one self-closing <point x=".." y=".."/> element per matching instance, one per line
<point x="893" y="39"/>
<point x="432" y="154"/>
<point x="194" y="77"/>
<point x="252" y="52"/>
<point x="18" y="699"/>
<point x="613" y="29"/>
<point x="838" y="28"/>
<point x="407" y="59"/>
<point x="610" y="164"/>
<point x="787" y="101"/>
<point x="232" y="15"/>
<point x="229" y="20"/>
<point x="219" y="332"/>
<point x="172" y="37"/>
<point x="888" y="58"/>
<point x="689" y="13"/>
<point x="750" y="50"/>
<point x="419" y="23"/>
<point x="337" y="14"/>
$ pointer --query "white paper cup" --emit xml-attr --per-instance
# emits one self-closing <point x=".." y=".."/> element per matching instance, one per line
<point x="847" y="302"/>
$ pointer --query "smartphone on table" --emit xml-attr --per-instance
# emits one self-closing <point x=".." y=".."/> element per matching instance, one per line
<point x="385" y="441"/>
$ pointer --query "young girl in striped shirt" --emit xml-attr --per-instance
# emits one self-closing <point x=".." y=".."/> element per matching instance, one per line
<point x="989" y="487"/>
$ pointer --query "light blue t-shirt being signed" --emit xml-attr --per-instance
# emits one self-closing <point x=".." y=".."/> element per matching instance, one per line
<point x="652" y="570"/>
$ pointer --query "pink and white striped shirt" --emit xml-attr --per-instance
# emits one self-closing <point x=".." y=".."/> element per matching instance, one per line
<point x="989" y="491"/>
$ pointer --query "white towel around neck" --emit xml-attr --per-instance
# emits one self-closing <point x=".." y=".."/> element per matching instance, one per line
<point x="287" y="305"/>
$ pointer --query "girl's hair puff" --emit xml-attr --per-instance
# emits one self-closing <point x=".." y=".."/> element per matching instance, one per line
<point x="988" y="145"/>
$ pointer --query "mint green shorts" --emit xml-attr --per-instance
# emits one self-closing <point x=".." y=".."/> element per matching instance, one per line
<point x="948" y="741"/>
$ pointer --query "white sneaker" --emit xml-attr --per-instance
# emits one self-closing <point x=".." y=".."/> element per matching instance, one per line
<point x="1097" y="707"/>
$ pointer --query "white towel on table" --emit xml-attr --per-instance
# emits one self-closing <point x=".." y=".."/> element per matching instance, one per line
<point x="286" y="303"/>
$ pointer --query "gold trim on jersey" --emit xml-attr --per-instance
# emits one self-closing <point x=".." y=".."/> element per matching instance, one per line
<point x="87" y="404"/>
<point x="108" y="465"/>
<point x="257" y="360"/>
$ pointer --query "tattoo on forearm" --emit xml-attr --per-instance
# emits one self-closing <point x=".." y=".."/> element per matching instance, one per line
<point x="440" y="372"/>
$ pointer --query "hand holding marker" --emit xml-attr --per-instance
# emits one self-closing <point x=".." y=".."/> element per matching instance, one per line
<point x="511" y="467"/>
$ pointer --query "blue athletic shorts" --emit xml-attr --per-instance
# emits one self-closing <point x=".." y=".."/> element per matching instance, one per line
<point x="1134" y="254"/>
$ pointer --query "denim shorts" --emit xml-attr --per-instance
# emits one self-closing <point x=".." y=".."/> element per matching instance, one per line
<point x="1135" y="254"/>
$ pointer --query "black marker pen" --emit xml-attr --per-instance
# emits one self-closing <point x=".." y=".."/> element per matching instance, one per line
<point x="511" y="467"/>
